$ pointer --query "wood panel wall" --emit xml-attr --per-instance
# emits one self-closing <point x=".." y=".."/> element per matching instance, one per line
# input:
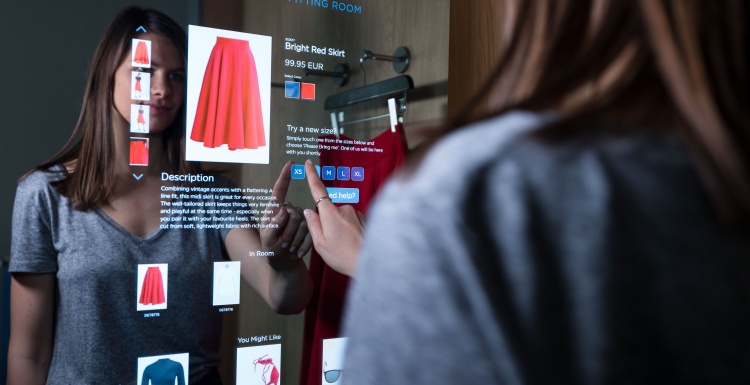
<point x="474" y="49"/>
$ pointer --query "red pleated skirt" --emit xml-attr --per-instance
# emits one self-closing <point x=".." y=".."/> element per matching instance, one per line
<point x="138" y="152"/>
<point x="152" y="291"/>
<point x="229" y="109"/>
<point x="141" y="53"/>
<point x="141" y="119"/>
<point x="138" y="85"/>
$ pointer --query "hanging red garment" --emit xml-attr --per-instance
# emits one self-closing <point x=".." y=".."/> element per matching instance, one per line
<point x="229" y="109"/>
<point x="141" y="53"/>
<point x="138" y="83"/>
<point x="323" y="314"/>
<point x="152" y="290"/>
<point x="138" y="152"/>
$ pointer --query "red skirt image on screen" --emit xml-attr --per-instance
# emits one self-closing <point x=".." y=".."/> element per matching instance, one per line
<point x="138" y="152"/>
<point x="141" y="119"/>
<point x="229" y="109"/>
<point x="152" y="290"/>
<point x="141" y="53"/>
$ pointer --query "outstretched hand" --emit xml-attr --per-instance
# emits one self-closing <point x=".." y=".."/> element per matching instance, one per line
<point x="283" y="229"/>
<point x="336" y="231"/>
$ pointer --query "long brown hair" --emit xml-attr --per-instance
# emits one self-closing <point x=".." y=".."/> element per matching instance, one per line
<point x="689" y="57"/>
<point x="90" y="149"/>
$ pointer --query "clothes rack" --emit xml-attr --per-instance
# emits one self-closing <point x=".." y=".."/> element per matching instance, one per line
<point x="401" y="58"/>
<point x="386" y="89"/>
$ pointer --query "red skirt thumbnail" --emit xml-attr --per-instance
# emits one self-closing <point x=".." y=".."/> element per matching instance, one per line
<point x="138" y="84"/>
<point x="141" y="53"/>
<point x="138" y="152"/>
<point x="229" y="109"/>
<point x="152" y="290"/>
<point x="141" y="119"/>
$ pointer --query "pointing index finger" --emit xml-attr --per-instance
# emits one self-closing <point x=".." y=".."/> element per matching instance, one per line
<point x="317" y="188"/>
<point x="282" y="183"/>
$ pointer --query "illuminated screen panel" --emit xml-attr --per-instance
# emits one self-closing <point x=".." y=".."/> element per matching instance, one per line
<point x="268" y="82"/>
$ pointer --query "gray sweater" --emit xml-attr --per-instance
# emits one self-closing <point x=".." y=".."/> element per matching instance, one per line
<point x="508" y="259"/>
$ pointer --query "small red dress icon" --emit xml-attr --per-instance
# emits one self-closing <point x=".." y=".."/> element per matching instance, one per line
<point x="229" y="107"/>
<point x="152" y="290"/>
<point x="138" y="153"/>
<point x="141" y="54"/>
<point x="141" y="119"/>
<point x="137" y="88"/>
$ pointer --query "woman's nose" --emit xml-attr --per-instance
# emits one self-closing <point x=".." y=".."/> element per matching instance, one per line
<point x="160" y="86"/>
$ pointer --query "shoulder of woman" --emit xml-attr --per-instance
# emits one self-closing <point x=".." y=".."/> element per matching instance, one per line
<point x="40" y="179"/>
<point x="40" y="182"/>
<point x="36" y="209"/>
<point x="458" y="158"/>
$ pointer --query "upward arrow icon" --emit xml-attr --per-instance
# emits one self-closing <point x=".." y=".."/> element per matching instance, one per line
<point x="140" y="29"/>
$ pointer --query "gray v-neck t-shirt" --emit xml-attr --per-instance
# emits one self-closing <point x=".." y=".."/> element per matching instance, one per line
<point x="99" y="331"/>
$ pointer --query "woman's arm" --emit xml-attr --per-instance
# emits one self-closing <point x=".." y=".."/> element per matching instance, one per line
<point x="272" y="256"/>
<point x="32" y="308"/>
<point x="282" y="280"/>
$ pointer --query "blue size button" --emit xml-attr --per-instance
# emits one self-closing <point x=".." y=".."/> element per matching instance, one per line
<point x="298" y="171"/>
<point x="343" y="195"/>
<point x="328" y="173"/>
<point x="358" y="174"/>
<point x="343" y="173"/>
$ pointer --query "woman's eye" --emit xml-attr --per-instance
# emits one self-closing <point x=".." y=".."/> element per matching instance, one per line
<point x="177" y="76"/>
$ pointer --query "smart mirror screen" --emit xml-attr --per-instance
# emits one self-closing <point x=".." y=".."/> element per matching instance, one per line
<point x="269" y="85"/>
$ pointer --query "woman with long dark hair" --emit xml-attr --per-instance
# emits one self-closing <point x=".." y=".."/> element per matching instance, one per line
<point x="593" y="229"/>
<point x="84" y="227"/>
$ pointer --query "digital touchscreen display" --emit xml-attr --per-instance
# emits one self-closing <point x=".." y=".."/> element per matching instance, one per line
<point x="268" y="82"/>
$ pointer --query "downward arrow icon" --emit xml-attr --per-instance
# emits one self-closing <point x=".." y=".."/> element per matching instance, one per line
<point x="138" y="177"/>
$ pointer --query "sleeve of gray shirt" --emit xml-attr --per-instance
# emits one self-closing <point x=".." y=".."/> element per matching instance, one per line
<point x="32" y="242"/>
